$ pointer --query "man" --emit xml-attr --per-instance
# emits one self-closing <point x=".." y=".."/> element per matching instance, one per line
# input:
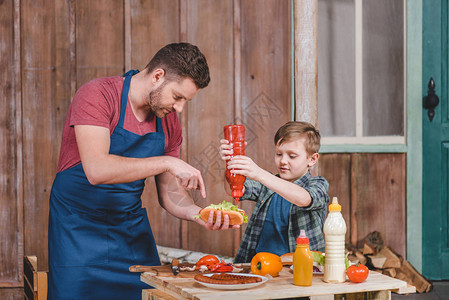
<point x="119" y="131"/>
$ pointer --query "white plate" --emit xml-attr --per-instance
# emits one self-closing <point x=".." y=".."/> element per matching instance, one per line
<point x="233" y="286"/>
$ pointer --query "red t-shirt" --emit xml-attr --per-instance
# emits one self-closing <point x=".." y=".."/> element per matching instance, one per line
<point x="98" y="103"/>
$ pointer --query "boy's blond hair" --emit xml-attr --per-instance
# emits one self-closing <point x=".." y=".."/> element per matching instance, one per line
<point x="296" y="129"/>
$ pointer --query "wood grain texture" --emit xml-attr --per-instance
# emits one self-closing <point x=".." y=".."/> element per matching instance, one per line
<point x="381" y="198"/>
<point x="336" y="168"/>
<point x="154" y="24"/>
<point x="354" y="198"/>
<point x="306" y="60"/>
<point x="99" y="39"/>
<point x="41" y="118"/>
<point x="237" y="89"/>
<point x="11" y="293"/>
<point x="377" y="183"/>
<point x="10" y="220"/>
<point x="209" y="25"/>
<point x="18" y="138"/>
<point x="265" y="78"/>
<point x="280" y="287"/>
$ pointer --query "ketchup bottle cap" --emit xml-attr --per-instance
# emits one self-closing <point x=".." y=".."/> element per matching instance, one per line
<point x="302" y="239"/>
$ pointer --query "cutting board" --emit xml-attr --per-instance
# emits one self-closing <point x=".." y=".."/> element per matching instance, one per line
<point x="166" y="271"/>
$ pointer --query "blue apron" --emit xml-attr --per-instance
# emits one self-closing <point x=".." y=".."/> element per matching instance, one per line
<point x="96" y="232"/>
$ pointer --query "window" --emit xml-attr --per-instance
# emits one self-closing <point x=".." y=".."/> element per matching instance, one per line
<point x="361" y="71"/>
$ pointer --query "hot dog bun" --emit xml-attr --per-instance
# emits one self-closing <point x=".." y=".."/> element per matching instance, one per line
<point x="287" y="259"/>
<point x="236" y="216"/>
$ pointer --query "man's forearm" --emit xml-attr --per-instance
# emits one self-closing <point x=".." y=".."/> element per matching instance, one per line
<point x="174" y="198"/>
<point x="113" y="169"/>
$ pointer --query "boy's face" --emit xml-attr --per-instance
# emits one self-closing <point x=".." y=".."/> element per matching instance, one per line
<point x="292" y="160"/>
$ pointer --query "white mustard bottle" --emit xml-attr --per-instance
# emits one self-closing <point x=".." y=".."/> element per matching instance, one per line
<point x="334" y="238"/>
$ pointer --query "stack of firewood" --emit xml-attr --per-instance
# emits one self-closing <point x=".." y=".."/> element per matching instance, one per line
<point x="376" y="256"/>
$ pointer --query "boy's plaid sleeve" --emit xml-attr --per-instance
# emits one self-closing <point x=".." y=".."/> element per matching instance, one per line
<point x="252" y="190"/>
<point x="318" y="188"/>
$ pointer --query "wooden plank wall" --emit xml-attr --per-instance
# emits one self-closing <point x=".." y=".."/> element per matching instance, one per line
<point x="48" y="49"/>
<point x="371" y="187"/>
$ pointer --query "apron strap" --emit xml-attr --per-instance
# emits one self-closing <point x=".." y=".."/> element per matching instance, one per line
<point x="124" y="99"/>
<point x="159" y="125"/>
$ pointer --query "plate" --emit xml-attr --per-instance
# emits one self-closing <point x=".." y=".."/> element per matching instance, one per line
<point x="233" y="286"/>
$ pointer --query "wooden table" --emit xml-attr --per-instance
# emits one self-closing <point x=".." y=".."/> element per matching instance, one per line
<point x="377" y="286"/>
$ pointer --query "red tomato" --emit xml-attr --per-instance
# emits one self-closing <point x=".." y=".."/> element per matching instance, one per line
<point x="357" y="273"/>
<point x="209" y="261"/>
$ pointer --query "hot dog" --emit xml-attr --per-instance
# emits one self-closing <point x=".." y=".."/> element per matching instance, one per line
<point x="227" y="279"/>
<point x="236" y="216"/>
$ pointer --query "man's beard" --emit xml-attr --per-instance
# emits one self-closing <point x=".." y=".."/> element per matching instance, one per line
<point x="155" y="100"/>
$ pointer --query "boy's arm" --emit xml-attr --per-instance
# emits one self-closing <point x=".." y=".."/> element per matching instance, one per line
<point x="288" y="190"/>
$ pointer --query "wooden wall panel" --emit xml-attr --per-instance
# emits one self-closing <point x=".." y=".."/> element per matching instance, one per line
<point x="381" y="197"/>
<point x="209" y="24"/>
<point x="153" y="25"/>
<point x="336" y="168"/>
<point x="10" y="219"/>
<point x="265" y="78"/>
<point x="41" y="120"/>
<point x="11" y="294"/>
<point x="372" y="187"/>
<point x="99" y="39"/>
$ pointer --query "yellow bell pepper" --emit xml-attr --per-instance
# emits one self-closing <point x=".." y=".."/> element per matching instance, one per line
<point x="264" y="263"/>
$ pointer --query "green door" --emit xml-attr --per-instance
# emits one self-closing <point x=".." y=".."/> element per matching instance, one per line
<point x="435" y="238"/>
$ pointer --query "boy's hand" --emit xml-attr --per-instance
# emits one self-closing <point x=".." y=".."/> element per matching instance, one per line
<point x="225" y="150"/>
<point x="243" y="165"/>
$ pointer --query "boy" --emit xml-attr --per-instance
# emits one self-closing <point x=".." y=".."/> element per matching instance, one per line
<point x="287" y="202"/>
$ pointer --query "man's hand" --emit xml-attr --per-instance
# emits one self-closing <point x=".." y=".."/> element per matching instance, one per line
<point x="218" y="225"/>
<point x="189" y="177"/>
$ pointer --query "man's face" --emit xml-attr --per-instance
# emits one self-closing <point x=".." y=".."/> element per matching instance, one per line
<point x="171" y="96"/>
<point x="292" y="160"/>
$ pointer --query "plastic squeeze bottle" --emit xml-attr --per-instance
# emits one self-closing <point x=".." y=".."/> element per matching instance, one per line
<point x="235" y="134"/>
<point x="334" y="238"/>
<point x="302" y="261"/>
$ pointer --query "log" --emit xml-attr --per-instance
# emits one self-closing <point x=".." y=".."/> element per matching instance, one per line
<point x="413" y="277"/>
<point x="390" y="272"/>
<point x="360" y="257"/>
<point x="377" y="260"/>
<point x="393" y="260"/>
<point x="367" y="249"/>
<point x="375" y="241"/>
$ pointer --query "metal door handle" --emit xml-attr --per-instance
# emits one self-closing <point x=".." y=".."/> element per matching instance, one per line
<point x="431" y="100"/>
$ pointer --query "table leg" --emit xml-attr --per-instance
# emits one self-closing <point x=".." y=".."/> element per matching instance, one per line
<point x="153" y="294"/>
<point x="375" y="295"/>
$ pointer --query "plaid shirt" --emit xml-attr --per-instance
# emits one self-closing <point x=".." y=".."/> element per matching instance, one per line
<point x="310" y="218"/>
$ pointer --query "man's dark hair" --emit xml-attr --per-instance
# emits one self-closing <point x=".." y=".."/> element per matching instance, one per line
<point x="180" y="60"/>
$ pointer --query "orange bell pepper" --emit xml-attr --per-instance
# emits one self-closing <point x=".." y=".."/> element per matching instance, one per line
<point x="264" y="263"/>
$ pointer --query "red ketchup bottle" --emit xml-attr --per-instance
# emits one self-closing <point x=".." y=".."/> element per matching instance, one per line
<point x="235" y="134"/>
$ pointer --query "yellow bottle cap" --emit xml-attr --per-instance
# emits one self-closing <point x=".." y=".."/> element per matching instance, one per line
<point x="334" y="206"/>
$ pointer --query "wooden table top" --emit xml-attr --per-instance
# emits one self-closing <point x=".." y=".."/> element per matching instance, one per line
<point x="184" y="286"/>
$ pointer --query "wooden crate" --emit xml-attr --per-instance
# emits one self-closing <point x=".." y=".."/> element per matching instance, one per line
<point x="35" y="282"/>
